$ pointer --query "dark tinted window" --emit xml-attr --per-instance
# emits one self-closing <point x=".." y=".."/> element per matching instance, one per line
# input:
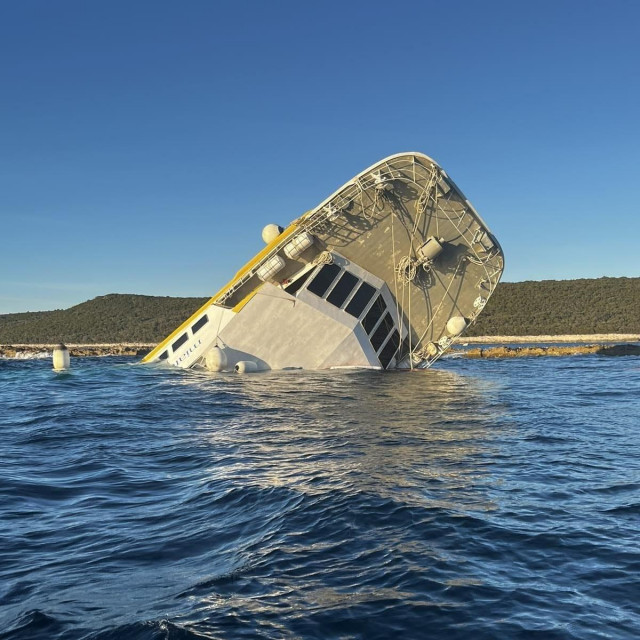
<point x="382" y="331"/>
<point x="323" y="280"/>
<point x="388" y="321"/>
<point x="179" y="342"/>
<point x="198" y="325"/>
<point x="390" y="349"/>
<point x="360" y="300"/>
<point x="163" y="356"/>
<point x="343" y="288"/>
<point x="294" y="286"/>
<point x="373" y="315"/>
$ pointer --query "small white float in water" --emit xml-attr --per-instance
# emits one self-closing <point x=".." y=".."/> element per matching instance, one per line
<point x="61" y="358"/>
<point x="246" y="366"/>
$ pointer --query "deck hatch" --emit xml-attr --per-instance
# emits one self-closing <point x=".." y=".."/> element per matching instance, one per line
<point x="198" y="325"/>
<point x="345" y="285"/>
<point x="323" y="279"/>
<point x="360" y="299"/>
<point x="179" y="342"/>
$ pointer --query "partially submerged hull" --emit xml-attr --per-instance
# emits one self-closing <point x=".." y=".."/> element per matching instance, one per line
<point x="387" y="272"/>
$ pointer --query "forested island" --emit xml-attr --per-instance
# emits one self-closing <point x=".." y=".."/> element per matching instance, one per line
<point x="554" y="307"/>
<point x="547" y="307"/>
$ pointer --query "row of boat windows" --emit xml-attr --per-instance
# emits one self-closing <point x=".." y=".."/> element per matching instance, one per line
<point x="377" y="322"/>
<point x="340" y="292"/>
<point x="185" y="336"/>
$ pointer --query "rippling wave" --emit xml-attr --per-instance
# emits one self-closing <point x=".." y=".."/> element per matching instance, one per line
<point x="481" y="499"/>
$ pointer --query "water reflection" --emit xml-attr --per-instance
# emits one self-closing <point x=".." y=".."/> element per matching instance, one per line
<point x="414" y="437"/>
<point x="320" y="504"/>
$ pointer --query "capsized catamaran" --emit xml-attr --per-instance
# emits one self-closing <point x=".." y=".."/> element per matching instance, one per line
<point x="386" y="273"/>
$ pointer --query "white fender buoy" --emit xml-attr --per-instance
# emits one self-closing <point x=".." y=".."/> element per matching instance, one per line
<point x="216" y="359"/>
<point x="246" y="366"/>
<point x="456" y="326"/>
<point x="271" y="232"/>
<point x="61" y="358"/>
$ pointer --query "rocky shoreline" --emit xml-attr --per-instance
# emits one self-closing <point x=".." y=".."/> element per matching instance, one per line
<point x="521" y="352"/>
<point x="75" y="350"/>
<point x="614" y="346"/>
<point x="588" y="338"/>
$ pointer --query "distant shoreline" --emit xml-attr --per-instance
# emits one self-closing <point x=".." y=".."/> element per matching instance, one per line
<point x="586" y="338"/>
<point x="104" y="349"/>
<point x="80" y="345"/>
<point x="499" y="346"/>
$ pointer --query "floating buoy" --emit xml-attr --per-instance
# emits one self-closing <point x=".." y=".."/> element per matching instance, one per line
<point x="61" y="358"/>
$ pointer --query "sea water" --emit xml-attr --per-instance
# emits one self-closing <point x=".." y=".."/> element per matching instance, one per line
<point x="479" y="499"/>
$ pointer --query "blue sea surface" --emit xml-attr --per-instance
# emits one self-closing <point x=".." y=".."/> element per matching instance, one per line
<point x="479" y="499"/>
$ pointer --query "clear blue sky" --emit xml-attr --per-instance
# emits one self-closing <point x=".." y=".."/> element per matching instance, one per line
<point x="143" y="145"/>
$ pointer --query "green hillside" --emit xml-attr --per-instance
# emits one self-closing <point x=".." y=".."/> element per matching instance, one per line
<point x="605" y="305"/>
<point x="110" y="318"/>
<point x="554" y="307"/>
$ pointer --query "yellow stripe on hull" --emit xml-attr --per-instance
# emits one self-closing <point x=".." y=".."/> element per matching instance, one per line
<point x="247" y="267"/>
